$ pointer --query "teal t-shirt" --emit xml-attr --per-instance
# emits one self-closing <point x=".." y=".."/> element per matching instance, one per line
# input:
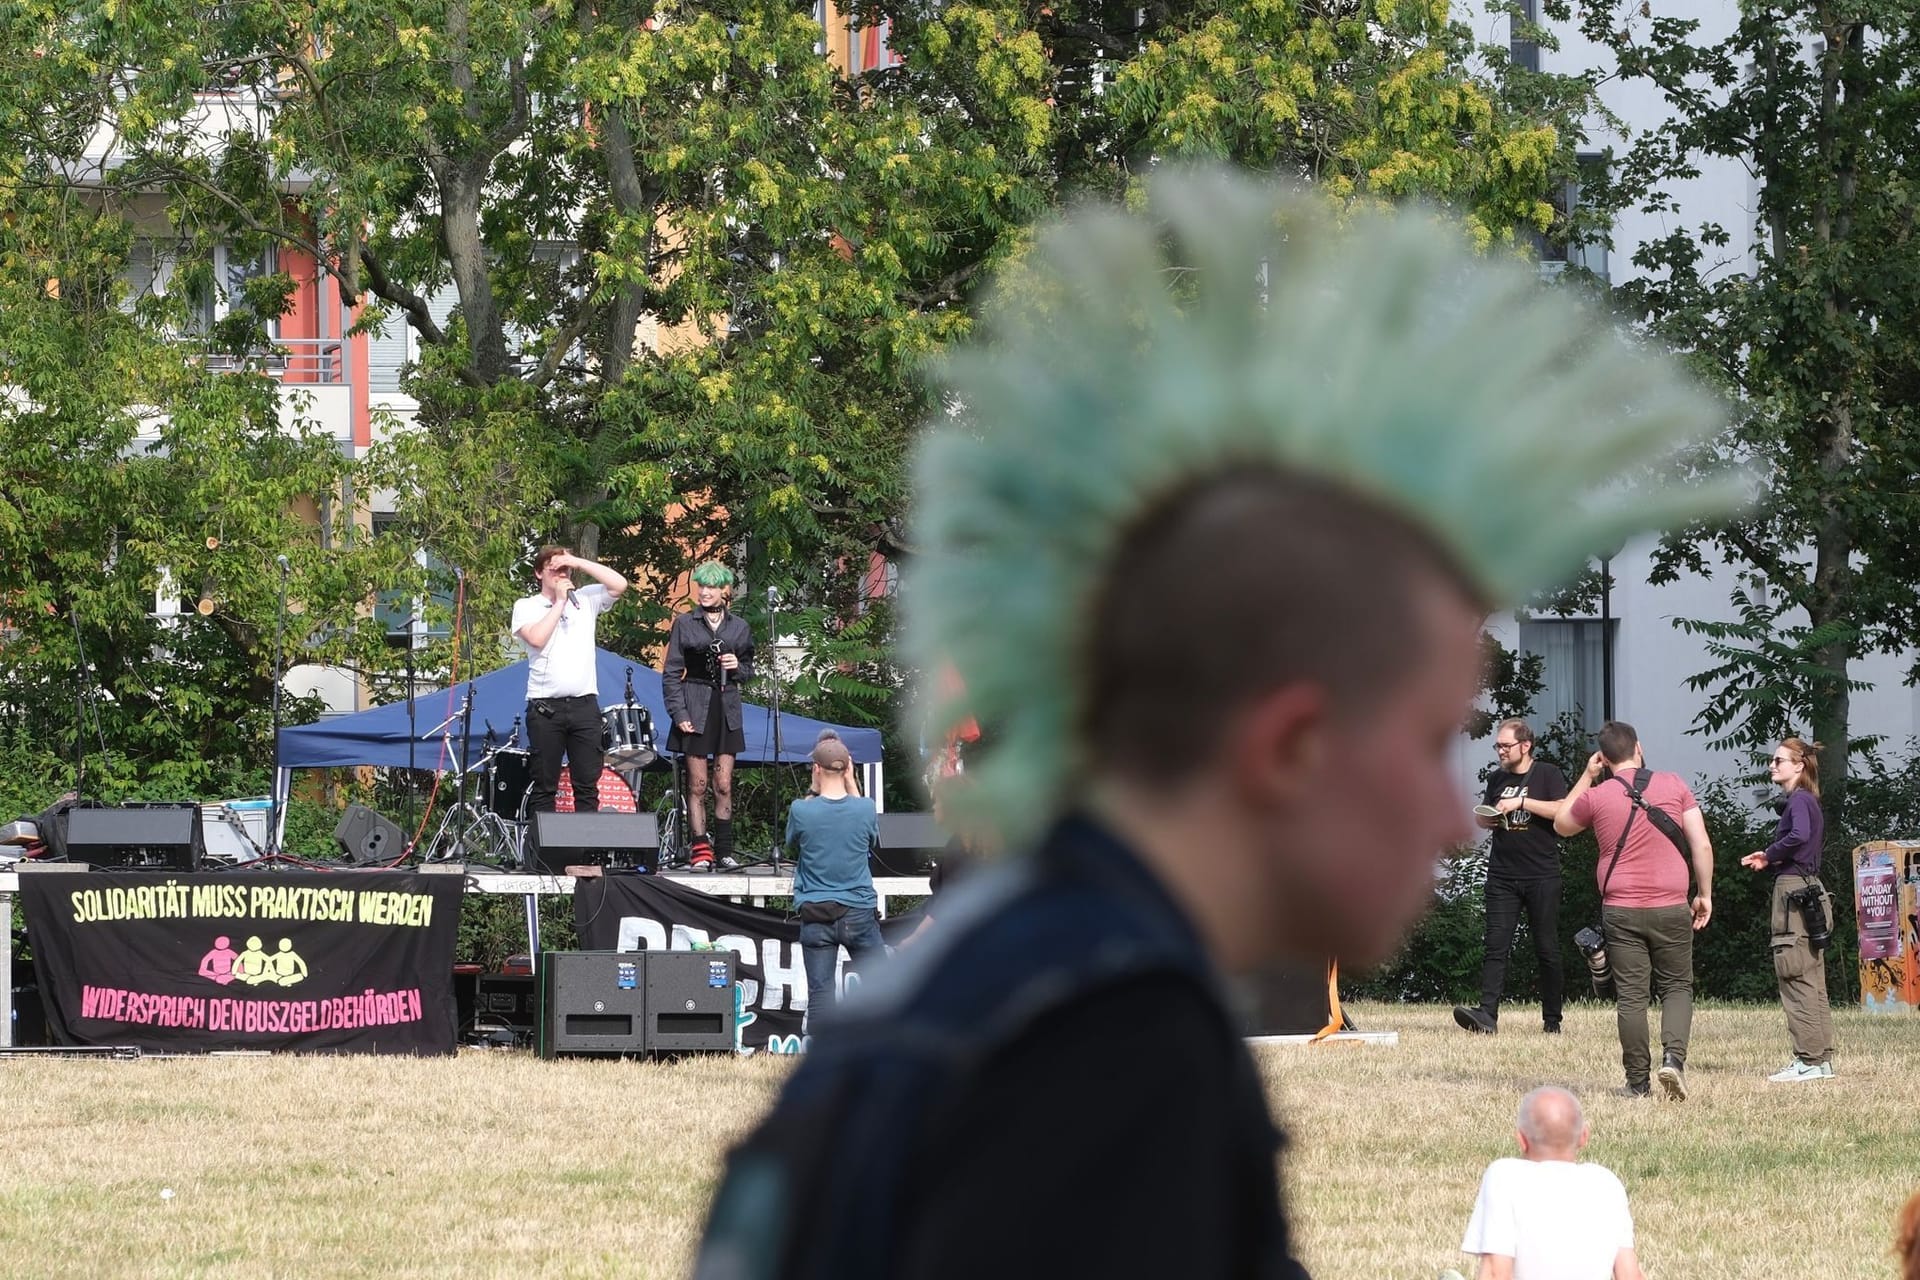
<point x="831" y="840"/>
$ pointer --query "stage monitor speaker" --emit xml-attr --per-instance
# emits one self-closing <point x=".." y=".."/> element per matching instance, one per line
<point x="556" y="841"/>
<point x="592" y="1003"/>
<point x="366" y="837"/>
<point x="154" y="837"/>
<point x="690" y="1001"/>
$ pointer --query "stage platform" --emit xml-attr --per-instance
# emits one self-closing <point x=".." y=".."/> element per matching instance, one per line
<point x="755" y="885"/>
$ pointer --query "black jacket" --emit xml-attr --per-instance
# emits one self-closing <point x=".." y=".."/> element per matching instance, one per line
<point x="692" y="674"/>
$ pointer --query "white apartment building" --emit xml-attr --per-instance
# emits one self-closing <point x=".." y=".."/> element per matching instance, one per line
<point x="1651" y="658"/>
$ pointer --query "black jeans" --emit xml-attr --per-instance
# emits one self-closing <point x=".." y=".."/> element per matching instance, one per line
<point x="567" y="727"/>
<point x="1541" y="900"/>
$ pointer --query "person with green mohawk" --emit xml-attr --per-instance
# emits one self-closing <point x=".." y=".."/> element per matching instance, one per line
<point x="709" y="653"/>
<point x="1225" y="493"/>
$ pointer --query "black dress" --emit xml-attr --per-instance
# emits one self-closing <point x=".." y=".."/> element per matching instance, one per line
<point x="693" y="675"/>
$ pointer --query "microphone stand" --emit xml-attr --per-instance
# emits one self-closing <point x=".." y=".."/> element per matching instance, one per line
<point x="773" y="677"/>
<point x="279" y="642"/>
<point x="82" y="696"/>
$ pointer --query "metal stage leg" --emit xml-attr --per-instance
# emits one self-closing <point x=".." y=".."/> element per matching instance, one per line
<point x="533" y="933"/>
<point x="6" y="974"/>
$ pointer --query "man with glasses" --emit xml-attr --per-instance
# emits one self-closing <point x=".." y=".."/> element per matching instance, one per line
<point x="1523" y="873"/>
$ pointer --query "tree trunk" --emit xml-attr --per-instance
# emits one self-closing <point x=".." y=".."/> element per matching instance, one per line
<point x="467" y="255"/>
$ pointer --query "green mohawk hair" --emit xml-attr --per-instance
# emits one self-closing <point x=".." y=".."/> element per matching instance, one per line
<point x="711" y="573"/>
<point x="1232" y="326"/>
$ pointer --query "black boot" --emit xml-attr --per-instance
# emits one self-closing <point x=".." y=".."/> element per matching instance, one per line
<point x="723" y="843"/>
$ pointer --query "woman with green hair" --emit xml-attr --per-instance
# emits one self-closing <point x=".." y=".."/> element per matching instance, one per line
<point x="709" y="653"/>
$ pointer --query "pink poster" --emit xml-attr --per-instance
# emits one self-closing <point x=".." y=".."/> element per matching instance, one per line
<point x="1879" y="891"/>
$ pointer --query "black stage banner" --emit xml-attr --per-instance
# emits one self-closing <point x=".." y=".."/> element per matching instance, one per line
<point x="358" y="962"/>
<point x="650" y="913"/>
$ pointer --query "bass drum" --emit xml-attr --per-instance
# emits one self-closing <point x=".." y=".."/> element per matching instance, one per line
<point x="508" y="779"/>
<point x="626" y="737"/>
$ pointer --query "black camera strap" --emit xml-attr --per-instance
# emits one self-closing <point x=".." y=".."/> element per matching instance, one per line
<point x="1660" y="818"/>
<point x="1619" y="844"/>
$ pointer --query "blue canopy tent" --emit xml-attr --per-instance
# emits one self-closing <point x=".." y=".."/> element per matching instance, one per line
<point x="379" y="735"/>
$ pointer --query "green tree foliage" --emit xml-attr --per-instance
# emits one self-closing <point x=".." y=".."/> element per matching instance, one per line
<point x="695" y="271"/>
<point x="1815" y="344"/>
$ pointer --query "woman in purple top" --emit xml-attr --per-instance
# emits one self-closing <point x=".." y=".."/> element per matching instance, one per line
<point x="1793" y="860"/>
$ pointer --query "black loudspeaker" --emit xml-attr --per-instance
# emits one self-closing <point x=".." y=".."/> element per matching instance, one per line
<point x="1285" y="999"/>
<point x="915" y="831"/>
<point x="908" y="843"/>
<point x="690" y="1001"/>
<point x="556" y="841"/>
<point x="366" y="837"/>
<point x="606" y="1003"/>
<point x="592" y="1003"/>
<point x="157" y="837"/>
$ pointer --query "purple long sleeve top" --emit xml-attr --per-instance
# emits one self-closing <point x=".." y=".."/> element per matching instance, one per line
<point x="1799" y="837"/>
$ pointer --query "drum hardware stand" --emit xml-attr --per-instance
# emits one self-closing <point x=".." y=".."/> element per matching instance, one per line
<point x="465" y="825"/>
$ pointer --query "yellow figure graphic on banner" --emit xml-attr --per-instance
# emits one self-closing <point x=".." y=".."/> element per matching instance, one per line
<point x="285" y="965"/>
<point x="251" y="967"/>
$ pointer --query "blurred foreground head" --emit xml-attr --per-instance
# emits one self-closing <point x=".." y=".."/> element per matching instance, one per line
<point x="1226" y="493"/>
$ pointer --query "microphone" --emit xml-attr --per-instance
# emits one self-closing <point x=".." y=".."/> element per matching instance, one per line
<point x="284" y="563"/>
<point x="572" y="599"/>
<point x="773" y="595"/>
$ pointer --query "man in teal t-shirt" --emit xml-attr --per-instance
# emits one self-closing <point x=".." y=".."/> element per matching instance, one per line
<point x="832" y="833"/>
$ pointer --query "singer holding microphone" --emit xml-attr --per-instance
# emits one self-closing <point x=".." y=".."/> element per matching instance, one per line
<point x="709" y="652"/>
<point x="556" y="626"/>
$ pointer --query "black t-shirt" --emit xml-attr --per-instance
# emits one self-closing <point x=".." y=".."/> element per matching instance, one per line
<point x="1525" y="847"/>
<point x="1162" y="1165"/>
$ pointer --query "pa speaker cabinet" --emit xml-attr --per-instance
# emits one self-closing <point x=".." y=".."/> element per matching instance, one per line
<point x="561" y="840"/>
<point x="907" y="844"/>
<point x="1285" y="998"/>
<point x="156" y="837"/>
<point x="690" y="1001"/>
<point x="592" y="1003"/>
<point x="366" y="837"/>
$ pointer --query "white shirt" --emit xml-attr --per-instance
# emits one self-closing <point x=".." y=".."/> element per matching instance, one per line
<point x="1556" y="1219"/>
<point x="566" y="667"/>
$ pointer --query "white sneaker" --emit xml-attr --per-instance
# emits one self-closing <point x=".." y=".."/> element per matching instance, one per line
<point x="1796" y="1071"/>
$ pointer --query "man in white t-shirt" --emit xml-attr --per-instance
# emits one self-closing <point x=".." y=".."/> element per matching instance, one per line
<point x="1545" y="1216"/>
<point x="563" y="685"/>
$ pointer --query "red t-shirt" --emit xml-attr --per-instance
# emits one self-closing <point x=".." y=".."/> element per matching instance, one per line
<point x="1652" y="873"/>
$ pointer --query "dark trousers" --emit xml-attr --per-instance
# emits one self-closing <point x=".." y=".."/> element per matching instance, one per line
<point x="1650" y="948"/>
<point x="1541" y="901"/>
<point x="1802" y="973"/>
<point x="820" y="942"/>
<point x="568" y="727"/>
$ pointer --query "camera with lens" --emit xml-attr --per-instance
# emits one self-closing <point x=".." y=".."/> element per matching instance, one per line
<point x="1593" y="945"/>
<point x="1811" y="903"/>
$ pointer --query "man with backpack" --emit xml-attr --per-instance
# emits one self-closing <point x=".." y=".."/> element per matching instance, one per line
<point x="1650" y="830"/>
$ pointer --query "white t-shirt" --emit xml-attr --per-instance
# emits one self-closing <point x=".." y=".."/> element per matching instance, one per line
<point x="566" y="667"/>
<point x="1556" y="1219"/>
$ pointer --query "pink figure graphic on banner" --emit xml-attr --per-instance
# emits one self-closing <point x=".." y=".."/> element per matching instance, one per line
<point x="217" y="964"/>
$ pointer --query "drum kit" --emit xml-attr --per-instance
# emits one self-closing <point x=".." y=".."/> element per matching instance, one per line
<point x="494" y="829"/>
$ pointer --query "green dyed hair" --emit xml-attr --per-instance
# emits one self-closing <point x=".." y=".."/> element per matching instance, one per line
<point x="1230" y="327"/>
<point x="711" y="573"/>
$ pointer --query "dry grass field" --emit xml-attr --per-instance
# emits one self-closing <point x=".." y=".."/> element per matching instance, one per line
<point x="499" y="1164"/>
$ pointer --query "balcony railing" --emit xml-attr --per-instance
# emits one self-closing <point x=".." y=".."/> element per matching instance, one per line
<point x="303" y="360"/>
